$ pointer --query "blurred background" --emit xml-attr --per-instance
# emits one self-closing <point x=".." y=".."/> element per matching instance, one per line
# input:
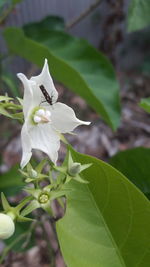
<point x="104" y="25"/>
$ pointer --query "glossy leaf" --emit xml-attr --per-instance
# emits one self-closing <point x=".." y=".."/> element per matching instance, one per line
<point x="135" y="164"/>
<point x="73" y="62"/>
<point x="106" y="222"/>
<point x="145" y="104"/>
<point x="138" y="14"/>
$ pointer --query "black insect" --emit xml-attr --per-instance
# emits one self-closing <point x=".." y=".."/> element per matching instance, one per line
<point x="48" y="98"/>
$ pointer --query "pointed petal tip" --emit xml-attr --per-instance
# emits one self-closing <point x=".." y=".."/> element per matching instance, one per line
<point x="86" y="122"/>
<point x="22" y="77"/>
<point x="45" y="64"/>
<point x="45" y="61"/>
<point x="26" y="158"/>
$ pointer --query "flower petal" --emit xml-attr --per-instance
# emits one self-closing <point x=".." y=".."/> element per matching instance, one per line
<point x="28" y="93"/>
<point x="64" y="119"/>
<point x="26" y="146"/>
<point x="45" y="79"/>
<point x="45" y="138"/>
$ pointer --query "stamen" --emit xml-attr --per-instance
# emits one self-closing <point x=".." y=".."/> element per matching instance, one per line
<point x="47" y="113"/>
<point x="40" y="112"/>
<point x="37" y="119"/>
<point x="42" y="116"/>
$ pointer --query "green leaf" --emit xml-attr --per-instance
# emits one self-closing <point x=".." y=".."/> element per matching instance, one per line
<point x="138" y="15"/>
<point x="145" y="104"/>
<point x="135" y="164"/>
<point x="106" y="222"/>
<point x="48" y="23"/>
<point x="73" y="62"/>
<point x="11" y="182"/>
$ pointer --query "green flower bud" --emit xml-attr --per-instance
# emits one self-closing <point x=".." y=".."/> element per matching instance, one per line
<point x="74" y="169"/>
<point x="7" y="226"/>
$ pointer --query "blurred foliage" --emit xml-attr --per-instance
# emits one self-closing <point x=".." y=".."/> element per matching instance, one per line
<point x="138" y="15"/>
<point x="73" y="62"/>
<point x="11" y="182"/>
<point x="23" y="238"/>
<point x="135" y="165"/>
<point x="10" y="83"/>
<point x="145" y="104"/>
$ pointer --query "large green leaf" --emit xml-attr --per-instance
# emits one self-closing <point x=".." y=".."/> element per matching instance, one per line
<point x="145" y="104"/>
<point x="11" y="181"/>
<point x="106" y="222"/>
<point x="73" y="62"/>
<point x="135" y="164"/>
<point x="138" y="14"/>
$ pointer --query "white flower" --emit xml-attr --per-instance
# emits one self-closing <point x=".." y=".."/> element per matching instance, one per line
<point x="7" y="226"/>
<point x="44" y="120"/>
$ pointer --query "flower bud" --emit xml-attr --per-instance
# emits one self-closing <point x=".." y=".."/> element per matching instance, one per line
<point x="74" y="169"/>
<point x="7" y="226"/>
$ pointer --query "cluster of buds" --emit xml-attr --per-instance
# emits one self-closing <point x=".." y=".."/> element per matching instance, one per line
<point x="40" y="197"/>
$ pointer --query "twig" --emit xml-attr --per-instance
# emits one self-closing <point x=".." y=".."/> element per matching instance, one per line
<point x="6" y="13"/>
<point x="84" y="14"/>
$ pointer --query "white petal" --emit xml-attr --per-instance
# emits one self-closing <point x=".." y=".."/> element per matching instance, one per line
<point x="46" y="139"/>
<point x="64" y="119"/>
<point x="45" y="79"/>
<point x="28" y="93"/>
<point x="26" y="145"/>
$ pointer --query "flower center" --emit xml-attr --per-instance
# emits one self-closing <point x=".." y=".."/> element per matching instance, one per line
<point x="42" y="116"/>
<point x="43" y="198"/>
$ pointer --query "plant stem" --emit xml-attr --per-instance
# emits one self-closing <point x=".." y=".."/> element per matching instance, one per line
<point x="84" y="14"/>
<point x="6" y="13"/>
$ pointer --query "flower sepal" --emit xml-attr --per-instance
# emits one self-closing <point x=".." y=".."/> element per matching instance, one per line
<point x="9" y="109"/>
<point x="10" y="215"/>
